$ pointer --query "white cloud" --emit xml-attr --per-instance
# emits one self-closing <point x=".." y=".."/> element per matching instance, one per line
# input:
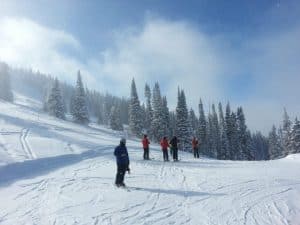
<point x="24" y="43"/>
<point x="173" y="53"/>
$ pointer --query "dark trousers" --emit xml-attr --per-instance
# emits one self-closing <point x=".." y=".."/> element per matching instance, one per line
<point x="146" y="153"/>
<point x="196" y="152"/>
<point x="165" y="154"/>
<point x="121" y="170"/>
<point x="175" y="154"/>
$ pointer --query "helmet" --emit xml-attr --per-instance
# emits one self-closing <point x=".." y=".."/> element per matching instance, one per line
<point x="123" y="141"/>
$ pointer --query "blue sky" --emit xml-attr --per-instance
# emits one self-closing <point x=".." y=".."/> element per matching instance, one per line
<point x="245" y="52"/>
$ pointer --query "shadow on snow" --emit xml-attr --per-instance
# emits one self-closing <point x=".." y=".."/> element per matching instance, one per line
<point x="31" y="168"/>
<point x="181" y="193"/>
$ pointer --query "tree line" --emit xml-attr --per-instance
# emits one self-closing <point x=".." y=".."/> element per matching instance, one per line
<point x="222" y="132"/>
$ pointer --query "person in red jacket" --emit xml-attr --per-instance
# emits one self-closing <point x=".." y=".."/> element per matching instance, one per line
<point x="195" y="145"/>
<point x="164" y="146"/>
<point x="146" y="143"/>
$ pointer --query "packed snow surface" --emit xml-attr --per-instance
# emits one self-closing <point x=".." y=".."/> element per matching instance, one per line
<point x="57" y="172"/>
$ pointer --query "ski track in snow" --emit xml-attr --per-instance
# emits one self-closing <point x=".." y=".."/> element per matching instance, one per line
<point x="25" y="146"/>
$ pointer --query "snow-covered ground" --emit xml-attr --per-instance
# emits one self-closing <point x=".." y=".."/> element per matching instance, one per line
<point x="57" y="172"/>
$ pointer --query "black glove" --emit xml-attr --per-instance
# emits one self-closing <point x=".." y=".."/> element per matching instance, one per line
<point x="128" y="170"/>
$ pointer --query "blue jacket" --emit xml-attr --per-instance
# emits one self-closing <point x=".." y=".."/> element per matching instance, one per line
<point x="121" y="155"/>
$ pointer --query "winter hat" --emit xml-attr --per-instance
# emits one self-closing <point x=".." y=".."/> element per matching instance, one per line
<point x="123" y="141"/>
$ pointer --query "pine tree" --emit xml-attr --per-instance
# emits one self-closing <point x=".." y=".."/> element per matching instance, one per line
<point x="165" y="116"/>
<point x="182" y="122"/>
<point x="135" y="113"/>
<point x="157" y="129"/>
<point x="55" y="104"/>
<point x="229" y="131"/>
<point x="275" y="149"/>
<point x="223" y="137"/>
<point x="235" y="147"/>
<point x="215" y="132"/>
<point x="294" y="141"/>
<point x="79" y="107"/>
<point x="211" y="142"/>
<point x="202" y="129"/>
<point x="5" y="86"/>
<point x="106" y="109"/>
<point x="243" y="142"/>
<point x="149" y="111"/>
<point x="172" y="117"/>
<point x="261" y="146"/>
<point x="286" y="130"/>
<point x="114" y="121"/>
<point x="194" y="123"/>
<point x="250" y="147"/>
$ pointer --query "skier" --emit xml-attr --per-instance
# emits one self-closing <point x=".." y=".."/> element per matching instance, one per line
<point x="122" y="159"/>
<point x="164" y="147"/>
<point x="195" y="145"/>
<point x="146" y="143"/>
<point x="174" y="143"/>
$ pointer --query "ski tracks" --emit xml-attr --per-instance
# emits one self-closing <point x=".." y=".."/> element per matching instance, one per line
<point x="30" y="154"/>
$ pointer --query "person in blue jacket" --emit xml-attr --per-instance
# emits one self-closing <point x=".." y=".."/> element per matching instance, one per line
<point x="122" y="159"/>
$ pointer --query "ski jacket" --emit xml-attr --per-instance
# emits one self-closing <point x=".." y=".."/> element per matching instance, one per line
<point x="195" y="143"/>
<point x="164" y="144"/>
<point x="174" y="142"/>
<point x="121" y="155"/>
<point x="145" y="142"/>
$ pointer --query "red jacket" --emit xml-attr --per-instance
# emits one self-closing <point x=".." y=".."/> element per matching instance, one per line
<point x="195" y="143"/>
<point x="145" y="142"/>
<point x="164" y="144"/>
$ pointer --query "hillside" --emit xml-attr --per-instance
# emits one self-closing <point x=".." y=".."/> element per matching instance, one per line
<point x="57" y="172"/>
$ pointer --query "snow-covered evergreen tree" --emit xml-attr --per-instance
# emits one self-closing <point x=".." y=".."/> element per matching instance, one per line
<point x="165" y="116"/>
<point x="79" y="107"/>
<point x="149" y="111"/>
<point x="55" y="103"/>
<point x="235" y="150"/>
<point x="294" y="140"/>
<point x="5" y="86"/>
<point x="143" y="117"/>
<point x="202" y="129"/>
<point x="194" y="123"/>
<point x="215" y="132"/>
<point x="286" y="130"/>
<point x="172" y="118"/>
<point x="243" y="142"/>
<point x="261" y="146"/>
<point x="135" y="112"/>
<point x="211" y="142"/>
<point x="157" y="129"/>
<point x="275" y="149"/>
<point x="114" y="120"/>
<point x="250" y="147"/>
<point x="229" y="131"/>
<point x="223" y="152"/>
<point x="182" y="122"/>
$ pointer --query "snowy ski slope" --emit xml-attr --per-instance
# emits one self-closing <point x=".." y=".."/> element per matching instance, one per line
<point x="56" y="172"/>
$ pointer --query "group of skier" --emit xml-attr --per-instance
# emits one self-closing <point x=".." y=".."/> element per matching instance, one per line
<point x="172" y="144"/>
<point x="122" y="157"/>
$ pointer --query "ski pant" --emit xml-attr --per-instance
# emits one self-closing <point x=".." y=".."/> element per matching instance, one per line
<point x="175" y="153"/>
<point x="165" y="154"/>
<point x="196" y="152"/>
<point x="146" y="153"/>
<point x="121" y="170"/>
